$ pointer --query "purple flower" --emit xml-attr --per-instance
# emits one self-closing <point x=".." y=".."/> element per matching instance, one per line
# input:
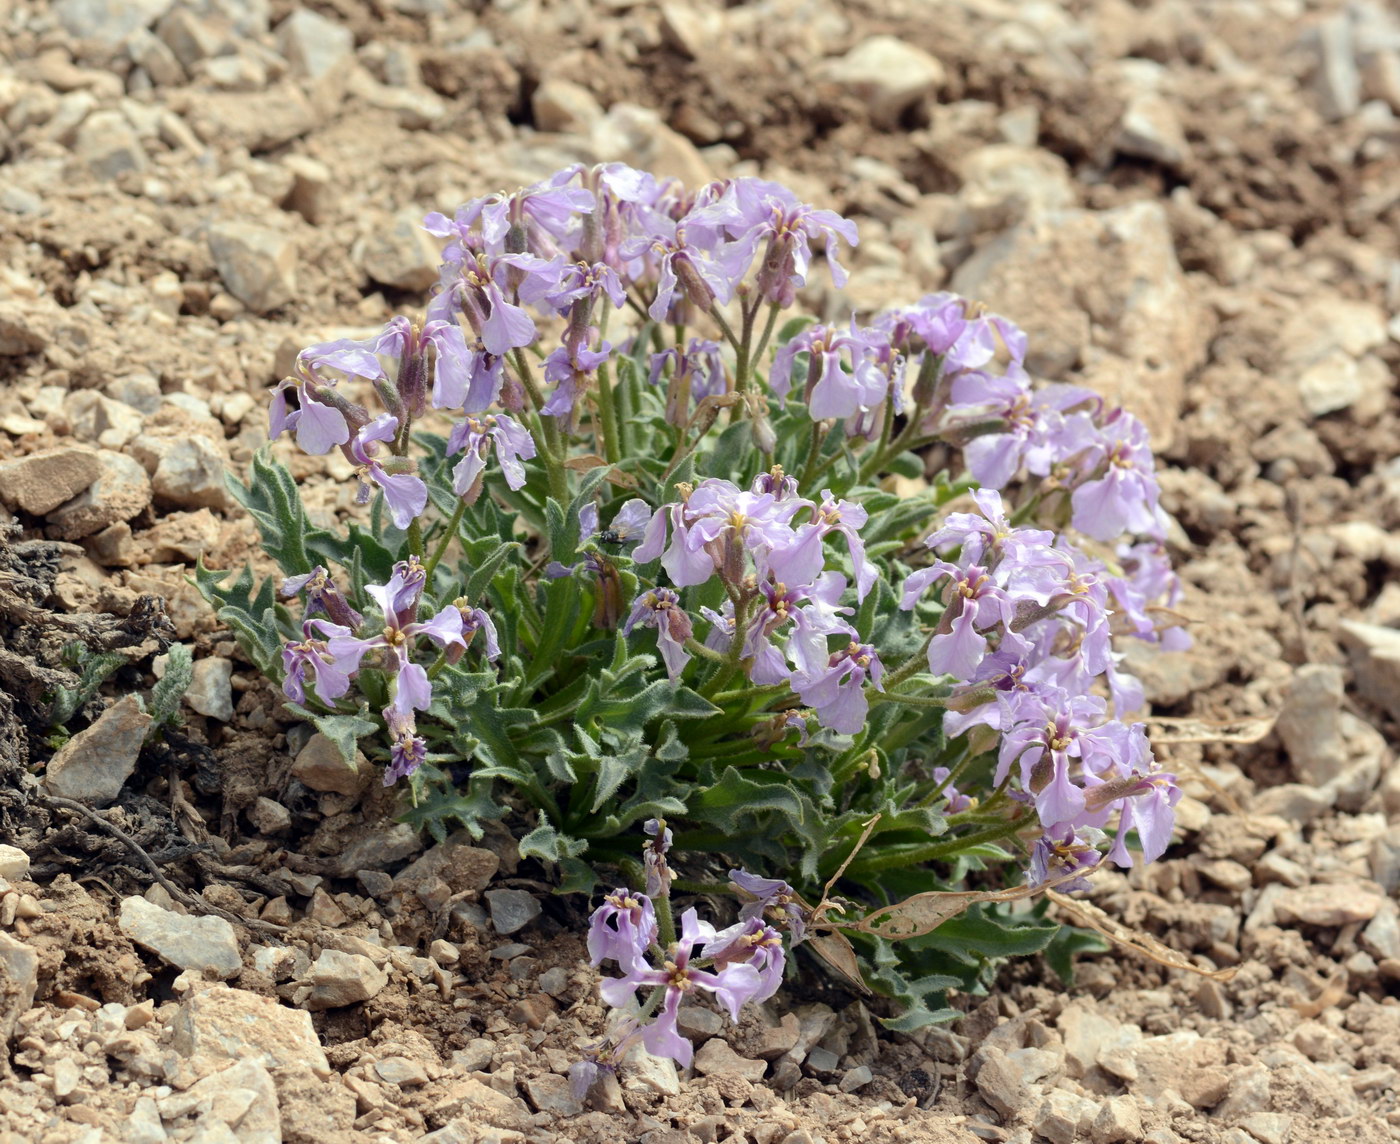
<point x="975" y="602"/>
<point x="760" y="212"/>
<point x="478" y="437"/>
<point x="837" y="694"/>
<point x="398" y="599"/>
<point x="957" y="801"/>
<point x="570" y="371"/>
<point x="987" y="536"/>
<point x="312" y="654"/>
<point x="751" y="942"/>
<point x="682" y="270"/>
<point x="1121" y="496"/>
<point x="801" y="560"/>
<point x="1063" y="851"/>
<point x="323" y="419"/>
<point x="405" y="494"/>
<point x="660" y="608"/>
<point x="831" y="391"/>
<point x="814" y="614"/>
<point x="696" y="374"/>
<point x="623" y="928"/>
<point x="587" y="281"/>
<point x="654" y="857"/>
<point x="772" y="896"/>
<point x="321" y="596"/>
<point x="407" y="749"/>
<point x="733" y="986"/>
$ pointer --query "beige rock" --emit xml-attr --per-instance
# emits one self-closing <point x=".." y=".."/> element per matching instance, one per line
<point x="242" y="1099"/>
<point x="258" y="120"/>
<point x="563" y="106"/>
<point x="314" y="44"/>
<point x="108" y="146"/>
<point x="1375" y="660"/>
<point x="19" y="978"/>
<point x="311" y="182"/>
<point x="180" y="538"/>
<point x="338" y="979"/>
<point x="1331" y="904"/>
<point x="190" y="37"/>
<point x="637" y="135"/>
<point x="320" y="766"/>
<point x="233" y="1024"/>
<point x="186" y="471"/>
<point x="14" y="863"/>
<point x="204" y="944"/>
<point x="41" y="482"/>
<point x="257" y="265"/>
<point x="888" y="74"/>
<point x="120" y="491"/>
<point x="717" y="1058"/>
<point x="95" y="417"/>
<point x="398" y="252"/>
<point x="1104" y="303"/>
<point x="92" y="766"/>
<point x="1026" y="181"/>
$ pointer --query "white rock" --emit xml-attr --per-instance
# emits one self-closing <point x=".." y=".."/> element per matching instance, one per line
<point x="95" y="417"/>
<point x="190" y="38"/>
<point x="186" y="471"/>
<point x="563" y="106"/>
<point x="637" y="135"/>
<point x="120" y="491"/>
<point x="108" y="146"/>
<point x="233" y="1024"/>
<point x="1151" y="129"/>
<point x="108" y="21"/>
<point x="338" y="979"/>
<point x="1027" y="180"/>
<point x="398" y="252"/>
<point x="241" y="1099"/>
<point x="92" y="766"/>
<point x="1337" y="80"/>
<point x="19" y="970"/>
<point x="205" y="944"/>
<point x="888" y="74"/>
<point x="646" y="1073"/>
<point x="14" y="863"/>
<point x="211" y="690"/>
<point x="1375" y="661"/>
<point x="1309" y="723"/>
<point x="257" y="265"/>
<point x="314" y="44"/>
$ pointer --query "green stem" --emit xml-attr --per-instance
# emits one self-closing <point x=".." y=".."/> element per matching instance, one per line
<point x="552" y="446"/>
<point x="725" y="328"/>
<point x="607" y="407"/>
<point x="766" y="336"/>
<point x="453" y="522"/>
<point x="814" y="452"/>
<point x="910" y="700"/>
<point x="665" y="923"/>
<point x="695" y="647"/>
<point x="415" y="537"/>
<point x="751" y="693"/>
<point x="934" y="851"/>
<point x="736" y="650"/>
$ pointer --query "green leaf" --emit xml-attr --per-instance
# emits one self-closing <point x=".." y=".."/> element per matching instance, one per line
<point x="737" y="797"/>
<point x="1059" y="953"/>
<point x="547" y="843"/>
<point x="171" y="687"/>
<point x="485" y="570"/>
<point x="274" y="502"/>
<point x="94" y="670"/>
<point x="345" y="731"/>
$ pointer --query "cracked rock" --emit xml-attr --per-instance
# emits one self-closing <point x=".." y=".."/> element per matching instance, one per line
<point x="205" y="944"/>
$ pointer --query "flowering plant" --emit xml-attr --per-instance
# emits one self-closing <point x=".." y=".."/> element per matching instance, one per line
<point x="636" y="547"/>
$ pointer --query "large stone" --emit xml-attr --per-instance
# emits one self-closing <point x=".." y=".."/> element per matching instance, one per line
<point x="14" y="863"/>
<point x="1375" y="661"/>
<point x="121" y="490"/>
<point x="189" y="37"/>
<point x="1310" y="724"/>
<point x="92" y="766"/>
<point x="1325" y="351"/>
<point x="511" y="910"/>
<point x="1336" y="78"/>
<point x="41" y="482"/>
<point x="238" y="1103"/>
<point x="186" y="471"/>
<point x="257" y="265"/>
<point x="320" y="766"/>
<point x="889" y="75"/>
<point x="1104" y="302"/>
<point x="399" y="253"/>
<point x="234" y="1024"/>
<point x="314" y="44"/>
<point x="1331" y="904"/>
<point x="257" y="120"/>
<point x="97" y="418"/>
<point x="564" y="106"/>
<point x="19" y="978"/>
<point x="211" y="690"/>
<point x="717" y="1058"/>
<point x="108" y="146"/>
<point x="1028" y="181"/>
<point x="204" y="944"/>
<point x="108" y="22"/>
<point x="338" y="979"/>
<point x="637" y="135"/>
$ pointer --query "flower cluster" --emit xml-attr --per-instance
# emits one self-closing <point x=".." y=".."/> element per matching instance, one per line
<point x="584" y="337"/>
<point x="738" y="965"/>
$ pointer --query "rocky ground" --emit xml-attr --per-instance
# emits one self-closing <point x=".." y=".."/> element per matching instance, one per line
<point x="1193" y="207"/>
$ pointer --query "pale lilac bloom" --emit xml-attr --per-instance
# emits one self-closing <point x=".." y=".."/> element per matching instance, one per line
<point x="975" y="604"/>
<point x="682" y="269"/>
<point x="452" y="366"/>
<point x="988" y="534"/>
<point x="814" y="612"/>
<point x="321" y="596"/>
<point x="478" y="438"/>
<point x="312" y="654"/>
<point x="733" y="986"/>
<point x="398" y="600"/>
<point x="957" y="802"/>
<point x="407" y="749"/>
<point x="477" y="620"/>
<point x="769" y="214"/>
<point x="832" y="391"/>
<point x="623" y="928"/>
<point x="569" y="371"/>
<point x="696" y="374"/>
<point x="1041" y="427"/>
<point x="1122" y="494"/>
<point x="838" y="693"/>
<point x="405" y="494"/>
<point x="323" y="419"/>
<point x="480" y="284"/>
<point x="727" y="521"/>
<point x="780" y="484"/>
<point x="1148" y="808"/>
<point x="751" y="942"/>
<point x="584" y="280"/>
<point x="802" y="558"/>
<point x="775" y="895"/>
<point x="660" y="608"/>
<point x="1063" y="851"/>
